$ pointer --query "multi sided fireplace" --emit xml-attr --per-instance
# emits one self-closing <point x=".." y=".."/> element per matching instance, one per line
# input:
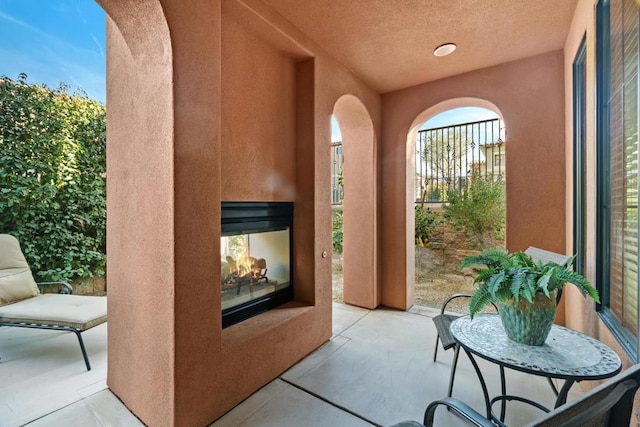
<point x="256" y="250"/>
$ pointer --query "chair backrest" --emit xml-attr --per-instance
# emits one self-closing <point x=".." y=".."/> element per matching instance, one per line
<point x="609" y="404"/>
<point x="546" y="256"/>
<point x="16" y="280"/>
<point x="11" y="255"/>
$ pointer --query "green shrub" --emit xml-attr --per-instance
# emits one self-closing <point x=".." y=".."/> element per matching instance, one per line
<point x="337" y="231"/>
<point x="426" y="222"/>
<point x="53" y="178"/>
<point x="480" y="209"/>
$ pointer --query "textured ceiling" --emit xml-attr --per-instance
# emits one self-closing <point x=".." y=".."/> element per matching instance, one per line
<point x="390" y="43"/>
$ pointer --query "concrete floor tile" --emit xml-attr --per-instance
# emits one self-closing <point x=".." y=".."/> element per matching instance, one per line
<point x="344" y="316"/>
<point x="99" y="410"/>
<point x="43" y="371"/>
<point x="315" y="359"/>
<point x="279" y="404"/>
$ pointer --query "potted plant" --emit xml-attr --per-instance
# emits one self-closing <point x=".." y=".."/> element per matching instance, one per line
<point x="524" y="290"/>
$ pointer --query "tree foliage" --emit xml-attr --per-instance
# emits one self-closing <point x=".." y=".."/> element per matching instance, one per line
<point x="426" y="223"/>
<point x="336" y="231"/>
<point x="480" y="209"/>
<point x="53" y="178"/>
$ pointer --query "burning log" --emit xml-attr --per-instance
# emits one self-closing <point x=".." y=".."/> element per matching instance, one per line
<point x="245" y="269"/>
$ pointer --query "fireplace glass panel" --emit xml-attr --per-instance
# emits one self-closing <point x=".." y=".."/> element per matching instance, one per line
<point x="254" y="266"/>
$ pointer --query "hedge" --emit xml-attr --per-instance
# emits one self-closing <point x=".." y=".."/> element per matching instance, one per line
<point x="53" y="178"/>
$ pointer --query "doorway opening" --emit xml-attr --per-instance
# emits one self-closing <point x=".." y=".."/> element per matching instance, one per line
<point x="459" y="197"/>
<point x="337" y="196"/>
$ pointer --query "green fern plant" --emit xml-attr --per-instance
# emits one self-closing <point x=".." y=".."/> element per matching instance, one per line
<point x="502" y="276"/>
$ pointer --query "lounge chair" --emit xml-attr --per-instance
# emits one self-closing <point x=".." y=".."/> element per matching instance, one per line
<point x="22" y="305"/>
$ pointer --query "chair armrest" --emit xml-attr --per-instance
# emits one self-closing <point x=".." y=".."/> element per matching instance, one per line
<point x="460" y="408"/>
<point x="66" y="287"/>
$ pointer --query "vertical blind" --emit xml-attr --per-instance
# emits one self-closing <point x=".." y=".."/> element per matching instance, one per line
<point x="623" y="156"/>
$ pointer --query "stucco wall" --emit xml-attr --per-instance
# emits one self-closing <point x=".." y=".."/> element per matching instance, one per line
<point x="360" y="263"/>
<point x="141" y="209"/>
<point x="258" y="95"/>
<point x="188" y="108"/>
<point x="529" y="95"/>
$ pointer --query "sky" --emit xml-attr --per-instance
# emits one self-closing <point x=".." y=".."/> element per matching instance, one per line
<point x="459" y="115"/>
<point x="55" y="41"/>
<point x="454" y="116"/>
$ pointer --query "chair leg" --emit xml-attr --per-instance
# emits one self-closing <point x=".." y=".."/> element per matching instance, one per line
<point x="84" y="350"/>
<point x="454" y="365"/>
<point x="435" y="351"/>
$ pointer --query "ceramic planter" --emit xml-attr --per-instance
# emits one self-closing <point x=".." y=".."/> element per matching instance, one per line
<point x="528" y="323"/>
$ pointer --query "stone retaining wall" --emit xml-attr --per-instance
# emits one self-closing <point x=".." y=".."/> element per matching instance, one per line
<point x="446" y="249"/>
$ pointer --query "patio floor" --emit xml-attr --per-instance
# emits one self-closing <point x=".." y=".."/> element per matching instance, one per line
<point x="376" y="370"/>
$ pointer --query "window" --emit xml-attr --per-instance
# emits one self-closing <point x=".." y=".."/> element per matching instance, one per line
<point x="579" y="155"/>
<point x="617" y="152"/>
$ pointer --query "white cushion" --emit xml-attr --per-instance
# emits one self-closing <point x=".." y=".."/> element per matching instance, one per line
<point x="77" y="311"/>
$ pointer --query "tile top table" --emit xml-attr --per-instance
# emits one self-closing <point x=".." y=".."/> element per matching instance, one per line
<point x="566" y="354"/>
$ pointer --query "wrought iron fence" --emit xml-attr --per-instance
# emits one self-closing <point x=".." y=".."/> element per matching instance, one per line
<point x="337" y="161"/>
<point x="448" y="157"/>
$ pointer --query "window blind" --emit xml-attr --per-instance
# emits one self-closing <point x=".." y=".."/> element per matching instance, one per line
<point x="623" y="155"/>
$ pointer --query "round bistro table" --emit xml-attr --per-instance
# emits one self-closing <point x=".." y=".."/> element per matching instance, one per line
<point x="567" y="354"/>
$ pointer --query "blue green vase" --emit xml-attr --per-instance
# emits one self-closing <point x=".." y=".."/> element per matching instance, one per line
<point x="528" y="323"/>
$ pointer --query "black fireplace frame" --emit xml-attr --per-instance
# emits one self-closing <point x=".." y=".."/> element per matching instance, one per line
<point x="253" y="217"/>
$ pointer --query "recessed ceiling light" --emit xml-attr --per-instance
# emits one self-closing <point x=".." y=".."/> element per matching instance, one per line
<point x="445" y="49"/>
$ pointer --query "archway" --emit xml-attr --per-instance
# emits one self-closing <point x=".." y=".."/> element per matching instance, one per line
<point x="459" y="158"/>
<point x="359" y="206"/>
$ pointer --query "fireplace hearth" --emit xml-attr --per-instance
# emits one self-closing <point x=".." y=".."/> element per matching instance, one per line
<point x="256" y="251"/>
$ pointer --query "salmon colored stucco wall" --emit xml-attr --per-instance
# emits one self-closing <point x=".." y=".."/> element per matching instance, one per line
<point x="360" y="263"/>
<point x="529" y="95"/>
<point x="193" y="93"/>
<point x="141" y="209"/>
<point x="258" y="115"/>
<point x="580" y="313"/>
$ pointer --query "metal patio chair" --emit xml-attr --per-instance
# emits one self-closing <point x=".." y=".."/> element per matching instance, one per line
<point x="442" y="323"/>
<point x="609" y="404"/>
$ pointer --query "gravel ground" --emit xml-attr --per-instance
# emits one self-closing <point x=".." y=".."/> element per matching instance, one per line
<point x="431" y="288"/>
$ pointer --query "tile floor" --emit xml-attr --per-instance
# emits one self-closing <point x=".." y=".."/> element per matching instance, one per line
<point x="376" y="370"/>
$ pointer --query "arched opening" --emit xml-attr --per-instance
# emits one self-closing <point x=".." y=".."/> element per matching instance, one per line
<point x="337" y="197"/>
<point x="57" y="77"/>
<point x="359" y="203"/>
<point x="458" y="179"/>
